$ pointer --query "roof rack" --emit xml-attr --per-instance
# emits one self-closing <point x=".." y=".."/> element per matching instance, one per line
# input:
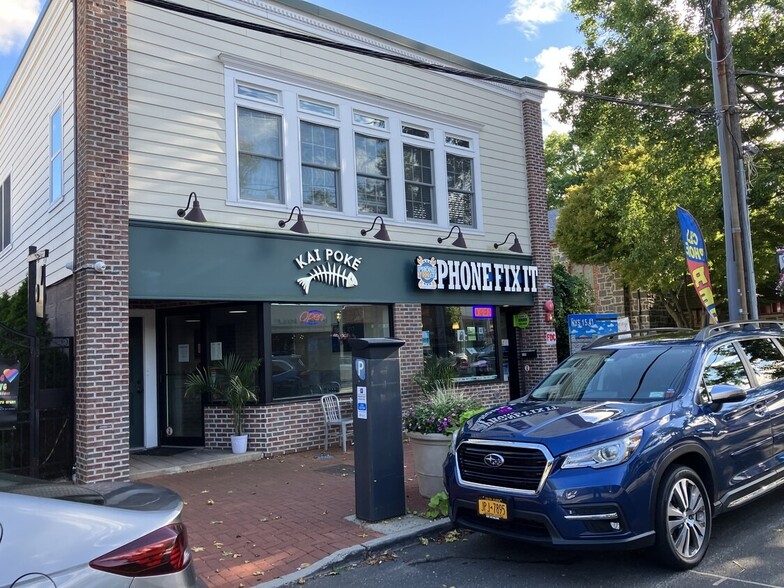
<point x="638" y="334"/>
<point x="716" y="330"/>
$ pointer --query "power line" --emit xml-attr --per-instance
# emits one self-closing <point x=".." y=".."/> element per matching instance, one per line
<point x="516" y="82"/>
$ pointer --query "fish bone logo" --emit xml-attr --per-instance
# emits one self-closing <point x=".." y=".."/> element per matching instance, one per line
<point x="330" y="274"/>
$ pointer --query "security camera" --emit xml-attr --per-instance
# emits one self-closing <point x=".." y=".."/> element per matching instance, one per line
<point x="99" y="266"/>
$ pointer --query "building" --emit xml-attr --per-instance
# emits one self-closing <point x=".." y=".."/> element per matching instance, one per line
<point x="122" y="112"/>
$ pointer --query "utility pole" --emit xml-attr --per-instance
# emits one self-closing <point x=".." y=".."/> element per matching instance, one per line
<point x="741" y="281"/>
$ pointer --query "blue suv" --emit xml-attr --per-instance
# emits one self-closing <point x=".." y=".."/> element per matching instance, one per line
<point x="638" y="440"/>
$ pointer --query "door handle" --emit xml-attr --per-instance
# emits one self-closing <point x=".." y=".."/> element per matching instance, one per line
<point x="760" y="408"/>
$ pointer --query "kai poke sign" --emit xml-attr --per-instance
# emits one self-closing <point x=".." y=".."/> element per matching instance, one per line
<point x="332" y="267"/>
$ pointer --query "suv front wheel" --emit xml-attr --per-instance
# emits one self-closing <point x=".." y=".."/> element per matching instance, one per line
<point x="683" y="519"/>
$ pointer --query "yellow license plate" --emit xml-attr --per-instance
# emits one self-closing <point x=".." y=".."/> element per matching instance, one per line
<point x="493" y="508"/>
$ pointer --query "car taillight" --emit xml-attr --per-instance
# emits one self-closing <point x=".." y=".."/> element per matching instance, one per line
<point x="164" y="551"/>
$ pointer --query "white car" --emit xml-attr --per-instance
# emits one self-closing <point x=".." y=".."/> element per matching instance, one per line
<point x="103" y="535"/>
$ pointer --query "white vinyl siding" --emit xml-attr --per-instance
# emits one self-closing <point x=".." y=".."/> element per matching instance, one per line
<point x="182" y="113"/>
<point x="42" y="84"/>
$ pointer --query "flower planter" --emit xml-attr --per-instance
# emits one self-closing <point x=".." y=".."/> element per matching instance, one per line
<point x="430" y="451"/>
<point x="239" y="443"/>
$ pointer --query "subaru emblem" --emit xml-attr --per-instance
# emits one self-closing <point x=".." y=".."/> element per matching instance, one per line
<point x="494" y="460"/>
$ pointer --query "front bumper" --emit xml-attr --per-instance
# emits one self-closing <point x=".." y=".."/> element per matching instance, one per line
<point x="576" y="508"/>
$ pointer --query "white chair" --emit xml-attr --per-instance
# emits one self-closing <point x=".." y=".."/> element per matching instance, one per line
<point x="330" y="405"/>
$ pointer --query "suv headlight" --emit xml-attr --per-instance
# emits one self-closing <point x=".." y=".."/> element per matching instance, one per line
<point x="453" y="445"/>
<point x="605" y="454"/>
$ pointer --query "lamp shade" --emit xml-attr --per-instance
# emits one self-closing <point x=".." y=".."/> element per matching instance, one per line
<point x="299" y="226"/>
<point x="195" y="215"/>
<point x="459" y="242"/>
<point x="382" y="233"/>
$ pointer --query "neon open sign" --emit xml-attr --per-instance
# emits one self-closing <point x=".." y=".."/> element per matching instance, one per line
<point x="483" y="312"/>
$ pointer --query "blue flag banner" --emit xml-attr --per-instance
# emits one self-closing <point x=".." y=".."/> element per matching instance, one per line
<point x="697" y="261"/>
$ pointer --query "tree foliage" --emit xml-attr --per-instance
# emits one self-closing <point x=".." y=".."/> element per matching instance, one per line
<point x="619" y="203"/>
<point x="572" y="294"/>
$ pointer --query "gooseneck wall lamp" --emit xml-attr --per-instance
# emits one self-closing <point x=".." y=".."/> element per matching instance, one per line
<point x="195" y="215"/>
<point x="459" y="242"/>
<point x="299" y="226"/>
<point x="382" y="231"/>
<point x="515" y="246"/>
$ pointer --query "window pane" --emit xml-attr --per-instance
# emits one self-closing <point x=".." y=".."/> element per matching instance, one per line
<point x="372" y="179"/>
<point x="260" y="162"/>
<point x="5" y="213"/>
<point x="57" y="131"/>
<point x="258" y="94"/>
<point x="370" y="121"/>
<point x="319" y="187"/>
<point x="57" y="178"/>
<point x="318" y="108"/>
<point x="319" y="145"/>
<point x="451" y="331"/>
<point x="765" y="360"/>
<point x="259" y="133"/>
<point x="310" y="350"/>
<point x="259" y="178"/>
<point x="724" y="366"/>
<point x="415" y="132"/>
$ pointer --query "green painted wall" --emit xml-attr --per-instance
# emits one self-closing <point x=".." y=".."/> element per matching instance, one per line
<point x="190" y="262"/>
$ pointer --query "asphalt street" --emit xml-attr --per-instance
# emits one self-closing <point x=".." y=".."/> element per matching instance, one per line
<point x="746" y="551"/>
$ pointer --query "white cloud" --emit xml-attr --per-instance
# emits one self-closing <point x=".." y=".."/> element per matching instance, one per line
<point x="530" y="14"/>
<point x="17" y="19"/>
<point x="550" y="61"/>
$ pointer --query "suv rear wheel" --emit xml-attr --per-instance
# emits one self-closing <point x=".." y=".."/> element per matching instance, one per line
<point x="683" y="519"/>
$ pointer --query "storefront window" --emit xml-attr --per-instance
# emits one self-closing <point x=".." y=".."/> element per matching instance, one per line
<point x="466" y="333"/>
<point x="310" y="349"/>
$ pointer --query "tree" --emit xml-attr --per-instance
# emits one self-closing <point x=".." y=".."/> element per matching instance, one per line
<point x="572" y="294"/>
<point x="647" y="160"/>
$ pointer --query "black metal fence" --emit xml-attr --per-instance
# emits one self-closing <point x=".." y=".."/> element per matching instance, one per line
<point x="41" y="441"/>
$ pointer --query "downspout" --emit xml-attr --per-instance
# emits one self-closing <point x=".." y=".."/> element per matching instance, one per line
<point x="74" y="275"/>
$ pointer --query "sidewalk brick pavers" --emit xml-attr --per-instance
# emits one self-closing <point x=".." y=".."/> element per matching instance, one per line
<point x="255" y="521"/>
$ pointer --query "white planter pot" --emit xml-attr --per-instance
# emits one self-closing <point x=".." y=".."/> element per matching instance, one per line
<point x="239" y="443"/>
<point x="430" y="451"/>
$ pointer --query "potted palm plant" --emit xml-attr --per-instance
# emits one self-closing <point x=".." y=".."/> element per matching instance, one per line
<point x="232" y="380"/>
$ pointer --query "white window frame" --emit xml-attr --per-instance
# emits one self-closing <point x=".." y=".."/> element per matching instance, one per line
<point x="291" y="89"/>
<point x="56" y="180"/>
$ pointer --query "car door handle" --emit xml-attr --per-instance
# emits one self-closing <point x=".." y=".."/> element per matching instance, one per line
<point x="761" y="408"/>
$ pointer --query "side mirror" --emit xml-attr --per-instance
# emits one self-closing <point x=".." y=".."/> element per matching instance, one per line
<point x="721" y="393"/>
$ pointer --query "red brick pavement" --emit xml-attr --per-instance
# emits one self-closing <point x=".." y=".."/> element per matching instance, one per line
<point x="256" y="521"/>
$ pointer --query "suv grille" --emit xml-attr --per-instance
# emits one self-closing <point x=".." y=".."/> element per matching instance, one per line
<point x="523" y="467"/>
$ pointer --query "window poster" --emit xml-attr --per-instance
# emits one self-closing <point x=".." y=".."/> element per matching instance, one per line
<point x="9" y="391"/>
<point x="426" y="338"/>
<point x="471" y="332"/>
<point x="216" y="351"/>
<point x="184" y="353"/>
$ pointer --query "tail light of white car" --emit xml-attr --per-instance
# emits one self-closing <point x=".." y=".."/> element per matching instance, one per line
<point x="164" y="551"/>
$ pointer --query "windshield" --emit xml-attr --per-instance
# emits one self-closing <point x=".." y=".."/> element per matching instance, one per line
<point x="641" y="374"/>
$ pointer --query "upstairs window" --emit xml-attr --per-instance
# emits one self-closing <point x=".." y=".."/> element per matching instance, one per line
<point x="420" y="189"/>
<point x="5" y="213"/>
<point x="372" y="175"/>
<point x="289" y="144"/>
<point x="260" y="155"/>
<point x="320" y="165"/>
<point x="56" y="156"/>
<point x="460" y="181"/>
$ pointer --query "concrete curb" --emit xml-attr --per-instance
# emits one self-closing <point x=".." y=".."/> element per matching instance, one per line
<point x="361" y="551"/>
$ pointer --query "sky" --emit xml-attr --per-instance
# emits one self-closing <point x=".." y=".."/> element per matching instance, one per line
<point x="518" y="37"/>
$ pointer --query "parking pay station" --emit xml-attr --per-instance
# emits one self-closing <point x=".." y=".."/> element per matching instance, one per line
<point x="378" y="429"/>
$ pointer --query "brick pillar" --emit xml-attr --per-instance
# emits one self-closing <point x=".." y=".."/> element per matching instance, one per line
<point x="101" y="233"/>
<point x="408" y="327"/>
<point x="540" y="243"/>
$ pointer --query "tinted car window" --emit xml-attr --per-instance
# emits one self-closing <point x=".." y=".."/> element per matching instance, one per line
<point x="723" y="366"/>
<point x="765" y="359"/>
<point x="644" y="374"/>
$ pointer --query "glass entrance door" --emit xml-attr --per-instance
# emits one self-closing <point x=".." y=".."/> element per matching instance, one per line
<point x="182" y="417"/>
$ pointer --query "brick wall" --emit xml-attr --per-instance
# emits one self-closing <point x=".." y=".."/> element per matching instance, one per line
<point x="101" y="229"/>
<point x="540" y="245"/>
